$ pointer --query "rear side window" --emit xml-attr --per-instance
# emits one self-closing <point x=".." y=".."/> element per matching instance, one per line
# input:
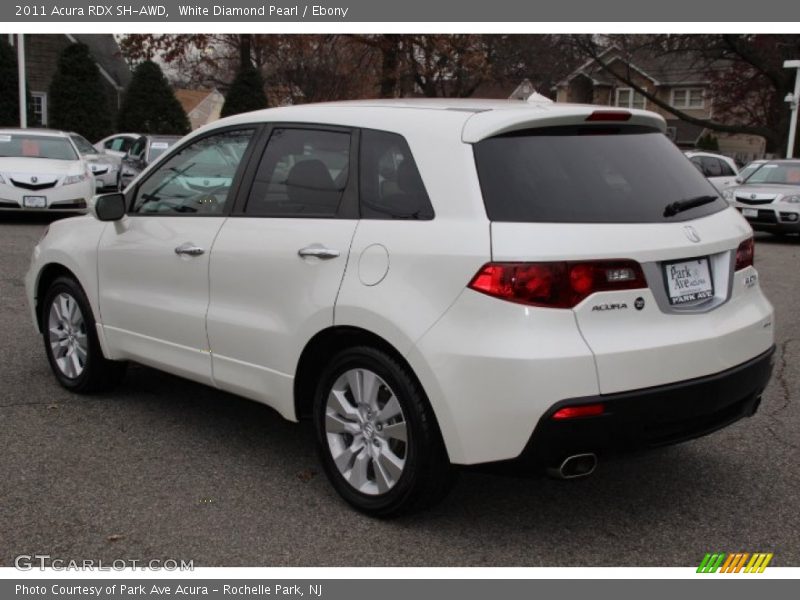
<point x="302" y="173"/>
<point x="726" y="169"/>
<point x="589" y="175"/>
<point x="390" y="184"/>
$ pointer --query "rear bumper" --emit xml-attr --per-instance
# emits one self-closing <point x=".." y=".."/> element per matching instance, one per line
<point x="652" y="417"/>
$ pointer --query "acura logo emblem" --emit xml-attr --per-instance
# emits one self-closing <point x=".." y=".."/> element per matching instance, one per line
<point x="691" y="233"/>
<point x="34" y="179"/>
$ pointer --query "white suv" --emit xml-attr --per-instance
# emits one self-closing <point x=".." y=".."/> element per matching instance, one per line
<point x="434" y="283"/>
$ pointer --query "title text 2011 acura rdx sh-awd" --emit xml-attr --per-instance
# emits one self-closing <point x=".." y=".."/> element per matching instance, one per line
<point x="433" y="283"/>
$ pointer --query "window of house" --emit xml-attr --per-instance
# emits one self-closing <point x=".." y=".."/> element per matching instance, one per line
<point x="687" y="98"/>
<point x="39" y="104"/>
<point x="628" y="98"/>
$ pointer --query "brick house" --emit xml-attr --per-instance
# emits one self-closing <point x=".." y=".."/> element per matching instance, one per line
<point x="675" y="79"/>
<point x="41" y="58"/>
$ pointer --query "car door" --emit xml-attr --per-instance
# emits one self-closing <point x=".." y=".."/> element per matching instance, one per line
<point x="278" y="261"/>
<point x="153" y="264"/>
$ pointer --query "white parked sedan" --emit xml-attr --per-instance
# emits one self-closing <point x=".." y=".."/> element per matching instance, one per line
<point x="720" y="170"/>
<point x="42" y="170"/>
<point x="433" y="283"/>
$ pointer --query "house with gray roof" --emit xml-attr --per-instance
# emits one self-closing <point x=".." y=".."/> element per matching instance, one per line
<point x="680" y="80"/>
<point x="41" y="58"/>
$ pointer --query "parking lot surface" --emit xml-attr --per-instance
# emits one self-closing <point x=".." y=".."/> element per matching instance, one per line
<point x="163" y="468"/>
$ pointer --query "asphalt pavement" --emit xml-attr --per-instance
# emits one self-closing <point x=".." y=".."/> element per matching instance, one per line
<point x="163" y="468"/>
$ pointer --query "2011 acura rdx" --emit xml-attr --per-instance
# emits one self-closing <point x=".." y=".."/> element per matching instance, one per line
<point x="434" y="283"/>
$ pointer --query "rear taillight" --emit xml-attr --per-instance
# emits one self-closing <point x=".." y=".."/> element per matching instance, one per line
<point x="745" y="254"/>
<point x="556" y="284"/>
<point x="582" y="410"/>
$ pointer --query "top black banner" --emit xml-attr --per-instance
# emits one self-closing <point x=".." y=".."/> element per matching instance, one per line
<point x="470" y="11"/>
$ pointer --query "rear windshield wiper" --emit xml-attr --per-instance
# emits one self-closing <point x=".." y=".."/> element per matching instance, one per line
<point x="670" y="210"/>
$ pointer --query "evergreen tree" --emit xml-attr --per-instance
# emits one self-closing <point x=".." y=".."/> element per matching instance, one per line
<point x="150" y="106"/>
<point x="77" y="99"/>
<point x="246" y="92"/>
<point x="708" y="142"/>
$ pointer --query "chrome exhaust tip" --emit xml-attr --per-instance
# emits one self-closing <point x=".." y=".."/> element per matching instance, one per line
<point x="575" y="466"/>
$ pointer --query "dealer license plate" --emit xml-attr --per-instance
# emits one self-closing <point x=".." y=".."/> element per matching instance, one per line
<point x="750" y="212"/>
<point x="688" y="281"/>
<point x="34" y="201"/>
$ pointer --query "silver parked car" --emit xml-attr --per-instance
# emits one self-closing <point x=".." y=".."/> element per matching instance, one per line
<point x="104" y="167"/>
<point x="770" y="197"/>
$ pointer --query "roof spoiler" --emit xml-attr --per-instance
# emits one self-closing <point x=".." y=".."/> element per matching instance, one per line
<point x="497" y="122"/>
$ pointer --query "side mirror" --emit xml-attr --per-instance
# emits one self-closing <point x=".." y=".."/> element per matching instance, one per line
<point x="110" y="207"/>
<point x="739" y="180"/>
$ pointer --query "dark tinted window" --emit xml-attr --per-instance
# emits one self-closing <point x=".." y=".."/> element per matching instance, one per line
<point x="711" y="166"/>
<point x="588" y="175"/>
<point x="303" y="172"/>
<point x="725" y="169"/>
<point x="197" y="179"/>
<point x="390" y="184"/>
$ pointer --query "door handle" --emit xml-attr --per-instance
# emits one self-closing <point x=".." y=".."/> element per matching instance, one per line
<point x="189" y="249"/>
<point x="318" y="251"/>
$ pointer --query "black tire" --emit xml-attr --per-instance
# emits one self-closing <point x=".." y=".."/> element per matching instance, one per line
<point x="427" y="475"/>
<point x="98" y="373"/>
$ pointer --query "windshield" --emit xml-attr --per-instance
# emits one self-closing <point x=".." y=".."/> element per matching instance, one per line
<point x="749" y="170"/>
<point x="36" y="146"/>
<point x="787" y="173"/>
<point x="83" y="145"/>
<point x="157" y="148"/>
<point x="590" y="174"/>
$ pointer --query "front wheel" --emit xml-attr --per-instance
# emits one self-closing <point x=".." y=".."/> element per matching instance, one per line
<point x="71" y="343"/>
<point x="377" y="436"/>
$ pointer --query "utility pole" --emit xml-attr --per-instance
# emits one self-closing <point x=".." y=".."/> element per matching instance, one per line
<point x="23" y="97"/>
<point x="793" y="100"/>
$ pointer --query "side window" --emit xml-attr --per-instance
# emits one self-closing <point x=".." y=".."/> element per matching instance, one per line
<point x="390" y="184"/>
<point x="137" y="149"/>
<point x="711" y="167"/>
<point x="698" y="164"/>
<point x="196" y="180"/>
<point x="725" y="169"/>
<point x="303" y="173"/>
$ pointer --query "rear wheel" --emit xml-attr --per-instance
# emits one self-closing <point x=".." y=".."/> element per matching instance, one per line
<point x="71" y="343"/>
<point x="377" y="436"/>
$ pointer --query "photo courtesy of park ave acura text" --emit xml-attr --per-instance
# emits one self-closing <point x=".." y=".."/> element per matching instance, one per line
<point x="399" y="300"/>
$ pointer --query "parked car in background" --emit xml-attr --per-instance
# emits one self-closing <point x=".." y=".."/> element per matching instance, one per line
<point x="104" y="167"/>
<point x="42" y="169"/>
<point x="770" y="197"/>
<point x="720" y="170"/>
<point x="749" y="169"/>
<point x="117" y="144"/>
<point x="431" y="282"/>
<point x="145" y="150"/>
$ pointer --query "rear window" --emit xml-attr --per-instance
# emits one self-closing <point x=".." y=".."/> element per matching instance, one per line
<point x="589" y="175"/>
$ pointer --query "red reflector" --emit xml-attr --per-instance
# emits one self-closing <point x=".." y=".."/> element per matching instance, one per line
<point x="609" y="115"/>
<point x="573" y="412"/>
<point x="745" y="254"/>
<point x="556" y="284"/>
